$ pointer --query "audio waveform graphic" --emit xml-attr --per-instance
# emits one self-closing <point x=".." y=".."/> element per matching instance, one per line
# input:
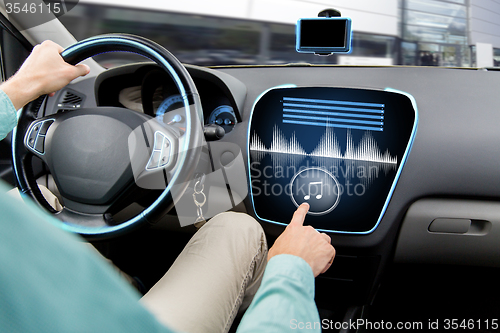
<point x="328" y="146"/>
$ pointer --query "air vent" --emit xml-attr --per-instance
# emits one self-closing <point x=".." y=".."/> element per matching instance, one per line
<point x="70" y="100"/>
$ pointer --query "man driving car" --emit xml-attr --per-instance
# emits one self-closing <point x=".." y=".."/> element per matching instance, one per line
<point x="51" y="282"/>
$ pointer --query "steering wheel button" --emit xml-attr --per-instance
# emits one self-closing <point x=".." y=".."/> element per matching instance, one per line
<point x="32" y="138"/>
<point x="159" y="137"/>
<point x="45" y="127"/>
<point x="31" y="141"/>
<point x="165" y="157"/>
<point x="164" y="160"/>
<point x="40" y="142"/>
<point x="154" y="160"/>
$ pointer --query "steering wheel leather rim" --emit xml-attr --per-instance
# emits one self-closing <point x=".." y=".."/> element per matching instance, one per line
<point x="188" y="157"/>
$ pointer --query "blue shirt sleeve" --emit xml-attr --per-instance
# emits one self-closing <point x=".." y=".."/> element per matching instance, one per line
<point x="8" y="115"/>
<point x="50" y="282"/>
<point x="285" y="299"/>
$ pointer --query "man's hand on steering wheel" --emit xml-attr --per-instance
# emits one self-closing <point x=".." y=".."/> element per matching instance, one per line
<point x="43" y="72"/>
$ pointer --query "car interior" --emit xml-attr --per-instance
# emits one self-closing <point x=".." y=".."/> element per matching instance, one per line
<point x="398" y="165"/>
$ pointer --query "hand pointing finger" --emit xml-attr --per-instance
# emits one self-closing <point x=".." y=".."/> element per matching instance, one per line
<point x="300" y="215"/>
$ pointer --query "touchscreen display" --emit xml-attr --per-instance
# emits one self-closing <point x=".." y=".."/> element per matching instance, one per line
<point x="340" y="150"/>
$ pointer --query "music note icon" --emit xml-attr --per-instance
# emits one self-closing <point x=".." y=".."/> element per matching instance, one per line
<point x="318" y="196"/>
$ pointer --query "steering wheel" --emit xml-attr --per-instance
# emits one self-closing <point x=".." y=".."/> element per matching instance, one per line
<point x="99" y="155"/>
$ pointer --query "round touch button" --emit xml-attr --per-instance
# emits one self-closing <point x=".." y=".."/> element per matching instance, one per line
<point x="318" y="187"/>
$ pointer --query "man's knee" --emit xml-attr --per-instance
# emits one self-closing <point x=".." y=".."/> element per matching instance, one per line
<point x="238" y="224"/>
<point x="237" y="221"/>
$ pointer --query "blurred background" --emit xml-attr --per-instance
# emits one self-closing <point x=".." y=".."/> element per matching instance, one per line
<point x="452" y="33"/>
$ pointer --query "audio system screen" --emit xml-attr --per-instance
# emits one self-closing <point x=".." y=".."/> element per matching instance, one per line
<point x="340" y="150"/>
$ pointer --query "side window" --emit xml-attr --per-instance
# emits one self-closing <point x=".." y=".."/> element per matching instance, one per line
<point x="13" y="53"/>
<point x="14" y="49"/>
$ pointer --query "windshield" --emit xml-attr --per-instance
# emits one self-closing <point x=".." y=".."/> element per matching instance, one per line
<point x="389" y="32"/>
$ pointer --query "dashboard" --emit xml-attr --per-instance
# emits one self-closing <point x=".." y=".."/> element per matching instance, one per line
<point x="147" y="89"/>
<point x="424" y="140"/>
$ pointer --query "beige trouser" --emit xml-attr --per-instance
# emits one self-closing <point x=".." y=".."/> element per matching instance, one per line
<point x="218" y="272"/>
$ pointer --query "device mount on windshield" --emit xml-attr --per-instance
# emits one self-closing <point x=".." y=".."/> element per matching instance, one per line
<point x="326" y="34"/>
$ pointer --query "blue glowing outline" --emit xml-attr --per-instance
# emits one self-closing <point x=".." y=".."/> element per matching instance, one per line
<point x="394" y="183"/>
<point x="182" y="152"/>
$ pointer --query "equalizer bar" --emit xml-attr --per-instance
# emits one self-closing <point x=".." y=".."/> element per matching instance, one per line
<point x="330" y="113"/>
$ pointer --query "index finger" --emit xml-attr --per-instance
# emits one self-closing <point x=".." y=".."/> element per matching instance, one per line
<point x="59" y="48"/>
<point x="49" y="43"/>
<point x="300" y="215"/>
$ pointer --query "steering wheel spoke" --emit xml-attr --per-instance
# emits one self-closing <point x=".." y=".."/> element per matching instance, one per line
<point x="82" y="220"/>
